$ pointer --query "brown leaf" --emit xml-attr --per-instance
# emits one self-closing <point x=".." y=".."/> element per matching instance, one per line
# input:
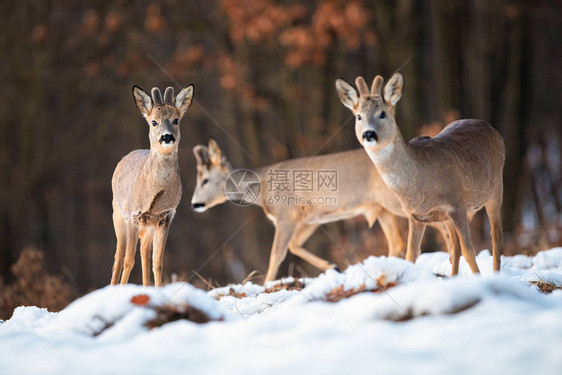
<point x="140" y="300"/>
<point x="294" y="285"/>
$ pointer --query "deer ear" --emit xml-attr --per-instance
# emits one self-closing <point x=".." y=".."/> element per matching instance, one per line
<point x="142" y="100"/>
<point x="347" y="93"/>
<point x="215" y="153"/>
<point x="201" y="154"/>
<point x="183" y="100"/>
<point x="394" y="88"/>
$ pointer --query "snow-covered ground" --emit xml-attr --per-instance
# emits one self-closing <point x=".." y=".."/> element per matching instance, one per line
<point x="413" y="322"/>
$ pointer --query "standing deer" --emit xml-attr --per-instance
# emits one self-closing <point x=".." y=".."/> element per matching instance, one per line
<point x="146" y="185"/>
<point x="360" y="191"/>
<point x="442" y="179"/>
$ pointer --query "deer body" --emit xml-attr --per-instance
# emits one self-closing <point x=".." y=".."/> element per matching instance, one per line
<point x="442" y="179"/>
<point x="458" y="158"/>
<point x="354" y="172"/>
<point x="360" y="191"/>
<point x="143" y="174"/>
<point x="147" y="187"/>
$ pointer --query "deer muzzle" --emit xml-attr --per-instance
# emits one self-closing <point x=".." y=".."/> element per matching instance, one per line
<point x="198" y="207"/>
<point x="370" y="136"/>
<point x="167" y="139"/>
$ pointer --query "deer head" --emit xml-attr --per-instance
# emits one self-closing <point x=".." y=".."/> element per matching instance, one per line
<point x="163" y="115"/>
<point x="212" y="172"/>
<point x="375" y="125"/>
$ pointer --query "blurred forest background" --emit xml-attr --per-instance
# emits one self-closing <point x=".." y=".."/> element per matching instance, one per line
<point x="264" y="73"/>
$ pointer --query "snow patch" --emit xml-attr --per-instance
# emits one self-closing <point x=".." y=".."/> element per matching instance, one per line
<point x="500" y="324"/>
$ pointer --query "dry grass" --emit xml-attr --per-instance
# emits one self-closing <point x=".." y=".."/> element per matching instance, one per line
<point x="167" y="313"/>
<point x="231" y="292"/>
<point x="546" y="287"/>
<point x="339" y="293"/>
<point x="170" y="313"/>
<point x="293" y="285"/>
<point x="33" y="286"/>
<point x="408" y="314"/>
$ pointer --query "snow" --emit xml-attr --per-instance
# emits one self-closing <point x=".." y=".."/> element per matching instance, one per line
<point x="428" y="323"/>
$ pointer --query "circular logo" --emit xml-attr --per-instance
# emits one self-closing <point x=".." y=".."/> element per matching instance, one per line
<point x="242" y="187"/>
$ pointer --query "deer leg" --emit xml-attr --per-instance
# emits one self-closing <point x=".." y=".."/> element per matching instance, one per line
<point x="283" y="234"/>
<point x="415" y="234"/>
<point x="146" y="235"/>
<point x="460" y="220"/>
<point x="454" y="247"/>
<point x="131" y="249"/>
<point x="121" y="233"/>
<point x="159" y="244"/>
<point x="493" y="209"/>
<point x="303" y="233"/>
<point x="391" y="228"/>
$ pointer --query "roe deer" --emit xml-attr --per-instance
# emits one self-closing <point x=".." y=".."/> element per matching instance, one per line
<point x="442" y="179"/>
<point x="146" y="185"/>
<point x="360" y="191"/>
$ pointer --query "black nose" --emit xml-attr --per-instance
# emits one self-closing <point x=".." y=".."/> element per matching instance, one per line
<point x="370" y="135"/>
<point x="198" y="205"/>
<point x="167" y="138"/>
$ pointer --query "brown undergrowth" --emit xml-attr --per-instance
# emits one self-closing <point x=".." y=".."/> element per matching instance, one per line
<point x="546" y="287"/>
<point x="33" y="286"/>
<point x="168" y="312"/>
<point x="292" y="285"/>
<point x="339" y="293"/>
<point x="233" y="293"/>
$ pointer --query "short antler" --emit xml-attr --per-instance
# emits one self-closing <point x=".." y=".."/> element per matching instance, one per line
<point x="377" y="85"/>
<point x="169" y="95"/>
<point x="156" y="96"/>
<point x="362" y="86"/>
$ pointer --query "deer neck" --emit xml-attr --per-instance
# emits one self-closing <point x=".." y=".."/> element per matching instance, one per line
<point x="395" y="165"/>
<point x="262" y="175"/>
<point x="162" y="168"/>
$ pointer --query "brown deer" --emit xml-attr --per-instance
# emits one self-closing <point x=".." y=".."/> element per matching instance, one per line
<point x="360" y="191"/>
<point x="146" y="185"/>
<point x="442" y="179"/>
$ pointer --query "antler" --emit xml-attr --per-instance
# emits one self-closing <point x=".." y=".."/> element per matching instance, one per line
<point x="156" y="96"/>
<point x="377" y="85"/>
<point x="169" y="95"/>
<point x="362" y="86"/>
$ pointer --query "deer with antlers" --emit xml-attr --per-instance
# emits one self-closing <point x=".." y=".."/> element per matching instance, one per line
<point x="442" y="179"/>
<point x="146" y="185"/>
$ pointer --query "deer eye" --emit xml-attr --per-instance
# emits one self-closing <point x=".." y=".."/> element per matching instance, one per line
<point x="204" y="181"/>
<point x="382" y="115"/>
<point x="359" y="117"/>
<point x="176" y="121"/>
<point x="154" y="123"/>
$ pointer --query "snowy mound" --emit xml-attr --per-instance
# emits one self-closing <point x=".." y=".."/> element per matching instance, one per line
<point x="384" y="315"/>
<point x="114" y="312"/>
